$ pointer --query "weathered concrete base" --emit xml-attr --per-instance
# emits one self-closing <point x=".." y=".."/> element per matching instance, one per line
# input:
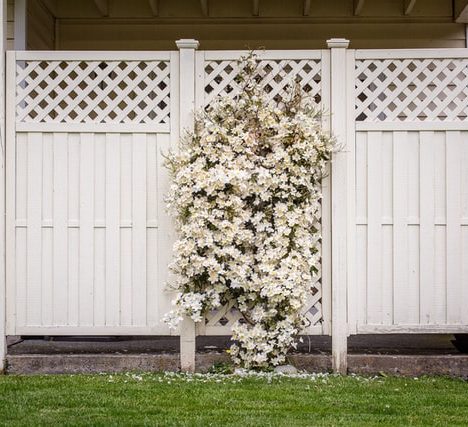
<point x="367" y="364"/>
<point x="90" y="363"/>
<point x="455" y="365"/>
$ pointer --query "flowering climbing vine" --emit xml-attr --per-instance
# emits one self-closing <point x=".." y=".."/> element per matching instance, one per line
<point x="246" y="191"/>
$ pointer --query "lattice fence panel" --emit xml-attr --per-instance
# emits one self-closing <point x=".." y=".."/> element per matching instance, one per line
<point x="274" y="76"/>
<point x="410" y="90"/>
<point x="57" y="91"/>
<point x="228" y="314"/>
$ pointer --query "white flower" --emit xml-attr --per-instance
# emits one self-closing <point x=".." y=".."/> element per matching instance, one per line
<point x="246" y="195"/>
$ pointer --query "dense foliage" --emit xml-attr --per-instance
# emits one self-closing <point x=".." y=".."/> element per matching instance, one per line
<point x="246" y="194"/>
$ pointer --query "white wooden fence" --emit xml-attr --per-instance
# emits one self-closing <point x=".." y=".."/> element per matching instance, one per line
<point x="88" y="238"/>
<point x="411" y="192"/>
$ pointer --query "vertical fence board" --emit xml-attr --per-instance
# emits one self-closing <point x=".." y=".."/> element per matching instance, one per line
<point x="165" y="227"/>
<point x="86" y="258"/>
<point x="439" y="298"/>
<point x="139" y="228"/>
<point x="427" y="235"/>
<point x="19" y="241"/>
<point x="464" y="228"/>
<point x="152" y="294"/>
<point x="112" y="201"/>
<point x="401" y="312"/>
<point x="34" y="230"/>
<point x="126" y="253"/>
<point x="60" y="231"/>
<point x="100" y="271"/>
<point x="374" y="228"/>
<point x="361" y="232"/>
<point x="454" y="232"/>
<point x="47" y="296"/>
<point x="73" y="192"/>
<point x="387" y="227"/>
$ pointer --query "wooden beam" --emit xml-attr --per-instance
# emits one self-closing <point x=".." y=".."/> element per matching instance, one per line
<point x="102" y="6"/>
<point x="50" y="6"/>
<point x="255" y="7"/>
<point x="409" y="5"/>
<point x="204" y="7"/>
<point x="154" y="5"/>
<point x="460" y="11"/>
<point x="306" y="10"/>
<point x="357" y="6"/>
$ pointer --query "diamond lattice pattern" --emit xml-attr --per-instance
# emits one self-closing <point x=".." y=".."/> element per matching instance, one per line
<point x="412" y="90"/>
<point x="274" y="76"/>
<point x="93" y="91"/>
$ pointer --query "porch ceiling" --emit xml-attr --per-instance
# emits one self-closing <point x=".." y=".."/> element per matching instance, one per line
<point x="261" y="10"/>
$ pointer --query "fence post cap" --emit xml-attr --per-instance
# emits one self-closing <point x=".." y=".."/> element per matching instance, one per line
<point x="187" y="44"/>
<point x="338" y="43"/>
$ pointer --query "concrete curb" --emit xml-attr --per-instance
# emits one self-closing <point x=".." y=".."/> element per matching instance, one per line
<point x="367" y="364"/>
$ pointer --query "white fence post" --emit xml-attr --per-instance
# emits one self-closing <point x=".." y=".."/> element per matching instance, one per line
<point x="187" y="49"/>
<point x="3" y="346"/>
<point x="339" y="185"/>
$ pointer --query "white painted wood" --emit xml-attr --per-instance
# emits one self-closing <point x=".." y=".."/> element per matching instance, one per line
<point x="402" y="311"/>
<point x="60" y="233"/>
<point x="34" y="232"/>
<point x="139" y="228"/>
<point x="51" y="55"/>
<point x="454" y="260"/>
<point x="186" y="123"/>
<point x="352" y="286"/>
<point x="326" y="267"/>
<point x="47" y="267"/>
<point x="3" y="292"/>
<point x="93" y="127"/>
<point x="213" y="55"/>
<point x="399" y="205"/>
<point x="113" y="224"/>
<point x="413" y="329"/>
<point x="416" y="178"/>
<point x="86" y="265"/>
<point x="73" y="141"/>
<point x="374" y="228"/>
<point x="165" y="236"/>
<point x="411" y="126"/>
<point x="426" y="149"/>
<point x="340" y="184"/>
<point x="410" y="53"/>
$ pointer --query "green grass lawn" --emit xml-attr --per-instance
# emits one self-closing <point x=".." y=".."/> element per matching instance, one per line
<point x="150" y="399"/>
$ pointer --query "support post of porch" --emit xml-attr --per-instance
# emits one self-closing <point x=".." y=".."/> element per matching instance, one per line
<point x="3" y="345"/>
<point x="187" y="49"/>
<point x="339" y="185"/>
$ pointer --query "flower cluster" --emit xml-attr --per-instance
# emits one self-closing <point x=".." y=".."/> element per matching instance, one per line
<point x="246" y="193"/>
